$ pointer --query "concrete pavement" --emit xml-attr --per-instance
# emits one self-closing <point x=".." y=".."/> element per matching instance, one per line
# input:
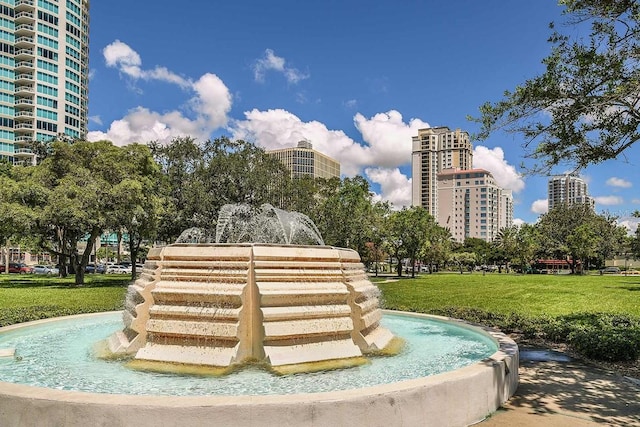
<point x="559" y="391"/>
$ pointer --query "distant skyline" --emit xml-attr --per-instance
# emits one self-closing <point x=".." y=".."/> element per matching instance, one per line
<point x="357" y="78"/>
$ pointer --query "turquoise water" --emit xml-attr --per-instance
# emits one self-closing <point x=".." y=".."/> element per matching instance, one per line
<point x="58" y="355"/>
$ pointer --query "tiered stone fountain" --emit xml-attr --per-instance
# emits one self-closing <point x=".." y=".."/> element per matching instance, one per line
<point x="276" y="296"/>
<point x="292" y="307"/>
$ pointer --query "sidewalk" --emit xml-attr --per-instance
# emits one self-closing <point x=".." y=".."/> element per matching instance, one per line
<point x="558" y="391"/>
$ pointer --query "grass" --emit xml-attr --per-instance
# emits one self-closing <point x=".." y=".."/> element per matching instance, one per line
<point x="31" y="297"/>
<point x="526" y="295"/>
<point x="598" y="316"/>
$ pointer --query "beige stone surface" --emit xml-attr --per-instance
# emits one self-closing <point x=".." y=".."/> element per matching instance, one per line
<point x="569" y="395"/>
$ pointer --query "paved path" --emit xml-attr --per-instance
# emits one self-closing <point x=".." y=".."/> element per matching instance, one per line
<point x="569" y="394"/>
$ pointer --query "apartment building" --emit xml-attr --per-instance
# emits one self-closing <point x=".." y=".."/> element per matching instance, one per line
<point x="434" y="150"/>
<point x="44" y="73"/>
<point x="303" y="160"/>
<point x="472" y="205"/>
<point x="568" y="189"/>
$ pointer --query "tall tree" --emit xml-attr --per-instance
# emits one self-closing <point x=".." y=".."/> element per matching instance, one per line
<point x="563" y="237"/>
<point x="408" y="231"/>
<point x="436" y="250"/>
<point x="506" y="241"/>
<point x="584" y="108"/>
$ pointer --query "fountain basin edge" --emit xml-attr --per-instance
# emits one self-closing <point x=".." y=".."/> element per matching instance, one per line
<point x="456" y="398"/>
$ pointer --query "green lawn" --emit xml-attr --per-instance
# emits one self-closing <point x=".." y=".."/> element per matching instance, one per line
<point x="30" y="297"/>
<point x="599" y="316"/>
<point x="528" y="295"/>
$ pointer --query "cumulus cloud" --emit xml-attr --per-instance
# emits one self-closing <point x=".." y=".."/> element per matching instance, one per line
<point x="630" y="223"/>
<point x="540" y="206"/>
<point x="518" y="222"/>
<point x="271" y="61"/>
<point x="493" y="160"/>
<point x="394" y="185"/>
<point x="609" y="200"/>
<point x="210" y="104"/>
<point x="121" y="56"/>
<point x="142" y="126"/>
<point x="387" y="138"/>
<point x="619" y="182"/>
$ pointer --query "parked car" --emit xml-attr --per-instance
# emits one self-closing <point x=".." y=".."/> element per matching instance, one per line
<point x="45" y="269"/>
<point x="17" y="267"/>
<point x="92" y="268"/>
<point x="610" y="270"/>
<point x="118" y="269"/>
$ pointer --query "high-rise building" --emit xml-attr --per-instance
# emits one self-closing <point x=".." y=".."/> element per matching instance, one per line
<point x="472" y="205"/>
<point x="44" y="73"/>
<point x="568" y="189"/>
<point x="434" y="150"/>
<point x="303" y="160"/>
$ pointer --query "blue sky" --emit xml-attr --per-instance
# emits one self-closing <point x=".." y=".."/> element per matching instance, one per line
<point x="357" y="78"/>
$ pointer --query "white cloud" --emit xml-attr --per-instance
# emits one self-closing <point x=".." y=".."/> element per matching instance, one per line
<point x="210" y="103"/>
<point x="635" y="201"/>
<point x="394" y="185"/>
<point x="630" y="223"/>
<point x="95" y="119"/>
<point x="387" y="139"/>
<point x="518" y="222"/>
<point x="143" y="126"/>
<point x="121" y="56"/>
<point x="619" y="182"/>
<point x="609" y="200"/>
<point x="351" y="103"/>
<point x="540" y="206"/>
<point x="493" y="160"/>
<point x="271" y="61"/>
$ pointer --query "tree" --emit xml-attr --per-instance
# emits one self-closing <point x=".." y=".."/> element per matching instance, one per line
<point x="527" y="244"/>
<point x="437" y="248"/>
<point x="635" y="242"/>
<point x="201" y="178"/>
<point x="345" y="214"/>
<point x="15" y="217"/>
<point x="506" y="241"/>
<point x="463" y="259"/>
<point x="584" y="108"/>
<point x="481" y="248"/>
<point x="408" y="230"/>
<point x="576" y="233"/>
<point x="137" y="198"/>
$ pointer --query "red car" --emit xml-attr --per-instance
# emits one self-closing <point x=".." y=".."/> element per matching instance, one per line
<point x="17" y="267"/>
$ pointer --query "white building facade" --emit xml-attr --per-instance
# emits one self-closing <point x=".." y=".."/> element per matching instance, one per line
<point x="568" y="189"/>
<point x="434" y="150"/>
<point x="44" y="73"/>
<point x="472" y="205"/>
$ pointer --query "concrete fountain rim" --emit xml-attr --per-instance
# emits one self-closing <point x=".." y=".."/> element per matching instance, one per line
<point x="507" y="350"/>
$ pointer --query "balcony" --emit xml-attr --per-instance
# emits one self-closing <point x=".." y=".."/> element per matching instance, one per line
<point x="23" y="116"/>
<point x="24" y="5"/>
<point x="24" y="17"/>
<point x="24" y="42"/>
<point x="24" y="66"/>
<point x="24" y="101"/>
<point x="20" y="126"/>
<point x="22" y="54"/>
<point x="23" y="139"/>
<point x="24" y="30"/>
<point x="24" y="90"/>
<point x="23" y="151"/>
<point x="21" y="78"/>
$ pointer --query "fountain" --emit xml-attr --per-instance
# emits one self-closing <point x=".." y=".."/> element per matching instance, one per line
<point x="265" y="292"/>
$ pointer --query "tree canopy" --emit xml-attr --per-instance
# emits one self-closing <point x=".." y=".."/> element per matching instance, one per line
<point x="585" y="107"/>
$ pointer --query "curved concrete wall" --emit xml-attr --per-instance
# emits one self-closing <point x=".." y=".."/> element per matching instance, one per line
<point x="456" y="398"/>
